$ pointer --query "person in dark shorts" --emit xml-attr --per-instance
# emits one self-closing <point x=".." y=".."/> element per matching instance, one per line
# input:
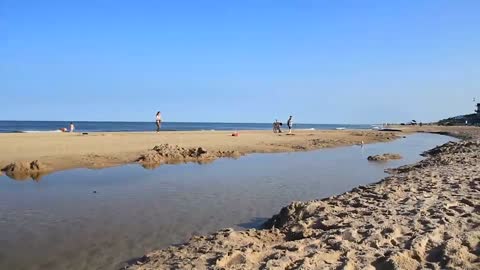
<point x="158" y="121"/>
<point x="290" y="124"/>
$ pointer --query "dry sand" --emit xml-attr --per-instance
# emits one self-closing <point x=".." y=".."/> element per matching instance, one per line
<point x="423" y="216"/>
<point x="60" y="151"/>
<point x="461" y="132"/>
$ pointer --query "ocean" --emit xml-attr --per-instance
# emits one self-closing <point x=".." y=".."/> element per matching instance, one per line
<point x="91" y="126"/>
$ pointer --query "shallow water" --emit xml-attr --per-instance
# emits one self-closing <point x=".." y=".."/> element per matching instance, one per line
<point x="59" y="223"/>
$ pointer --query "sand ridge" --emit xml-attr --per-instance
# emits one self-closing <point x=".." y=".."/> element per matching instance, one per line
<point x="172" y="154"/>
<point x="423" y="216"/>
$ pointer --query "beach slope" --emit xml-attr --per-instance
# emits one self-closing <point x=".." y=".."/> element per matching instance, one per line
<point x="423" y="216"/>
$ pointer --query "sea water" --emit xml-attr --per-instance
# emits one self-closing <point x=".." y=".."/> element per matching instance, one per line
<point x="84" y="126"/>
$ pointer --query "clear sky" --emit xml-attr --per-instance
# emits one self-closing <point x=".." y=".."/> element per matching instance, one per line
<point x="239" y="61"/>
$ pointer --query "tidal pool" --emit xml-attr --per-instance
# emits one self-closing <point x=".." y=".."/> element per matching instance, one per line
<point x="99" y="219"/>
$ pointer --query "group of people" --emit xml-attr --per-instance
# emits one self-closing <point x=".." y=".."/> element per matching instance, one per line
<point x="277" y="126"/>
<point x="72" y="128"/>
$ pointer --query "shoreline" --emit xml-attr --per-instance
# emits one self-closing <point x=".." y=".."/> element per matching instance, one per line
<point x="422" y="216"/>
<point x="33" y="155"/>
<point x="459" y="132"/>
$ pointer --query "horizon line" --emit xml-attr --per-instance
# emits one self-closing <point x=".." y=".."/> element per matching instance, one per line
<point x="221" y="122"/>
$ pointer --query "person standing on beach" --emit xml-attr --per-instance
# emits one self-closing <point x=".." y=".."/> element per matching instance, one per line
<point x="72" y="127"/>
<point x="290" y="124"/>
<point x="158" y="121"/>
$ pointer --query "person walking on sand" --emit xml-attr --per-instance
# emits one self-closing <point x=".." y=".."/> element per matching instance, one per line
<point x="72" y="127"/>
<point x="290" y="124"/>
<point x="158" y="121"/>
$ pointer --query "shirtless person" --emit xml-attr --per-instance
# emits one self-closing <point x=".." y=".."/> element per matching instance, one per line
<point x="159" y="121"/>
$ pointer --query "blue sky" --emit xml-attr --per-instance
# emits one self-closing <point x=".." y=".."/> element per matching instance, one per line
<point x="239" y="61"/>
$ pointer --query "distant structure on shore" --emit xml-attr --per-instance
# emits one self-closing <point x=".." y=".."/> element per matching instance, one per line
<point x="468" y="119"/>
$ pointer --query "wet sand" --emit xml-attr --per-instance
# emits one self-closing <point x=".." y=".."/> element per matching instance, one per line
<point x="41" y="153"/>
<point x="423" y="216"/>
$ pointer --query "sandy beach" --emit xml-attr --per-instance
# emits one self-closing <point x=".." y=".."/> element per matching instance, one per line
<point x="61" y="151"/>
<point x="461" y="132"/>
<point x="231" y="135"/>
<point x="423" y="216"/>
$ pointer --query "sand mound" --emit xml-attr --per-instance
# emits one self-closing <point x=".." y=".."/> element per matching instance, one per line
<point x="454" y="148"/>
<point x="22" y="170"/>
<point x="427" y="217"/>
<point x="466" y="152"/>
<point x="165" y="153"/>
<point x="384" y="157"/>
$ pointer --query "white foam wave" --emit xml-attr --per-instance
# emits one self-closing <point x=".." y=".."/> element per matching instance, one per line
<point x="40" y="131"/>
